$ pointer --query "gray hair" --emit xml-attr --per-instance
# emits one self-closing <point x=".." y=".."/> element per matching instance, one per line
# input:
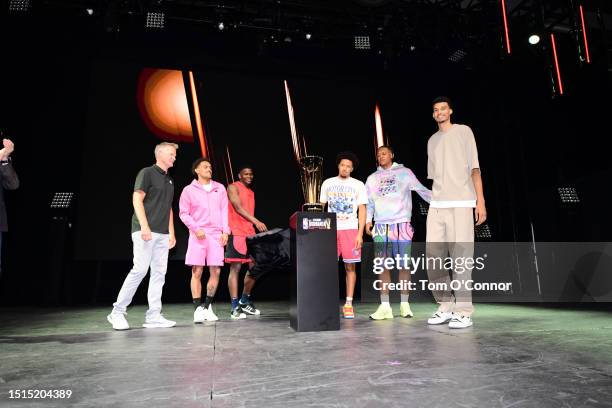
<point x="165" y="144"/>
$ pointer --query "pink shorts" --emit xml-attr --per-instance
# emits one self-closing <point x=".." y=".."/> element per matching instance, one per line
<point x="204" y="252"/>
<point x="346" y="246"/>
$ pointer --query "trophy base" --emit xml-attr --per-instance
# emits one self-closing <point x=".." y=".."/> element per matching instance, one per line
<point x="312" y="207"/>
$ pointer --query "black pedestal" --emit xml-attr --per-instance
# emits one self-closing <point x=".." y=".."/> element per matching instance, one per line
<point x="314" y="283"/>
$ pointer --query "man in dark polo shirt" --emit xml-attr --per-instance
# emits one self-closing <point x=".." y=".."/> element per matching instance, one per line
<point x="153" y="236"/>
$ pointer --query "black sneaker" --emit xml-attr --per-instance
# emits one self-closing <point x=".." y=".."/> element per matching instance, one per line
<point x="249" y="308"/>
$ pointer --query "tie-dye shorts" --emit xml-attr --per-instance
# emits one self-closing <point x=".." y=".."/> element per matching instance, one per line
<point x="392" y="239"/>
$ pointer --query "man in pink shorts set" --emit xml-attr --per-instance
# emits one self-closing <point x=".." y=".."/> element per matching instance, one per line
<point x="347" y="197"/>
<point x="203" y="209"/>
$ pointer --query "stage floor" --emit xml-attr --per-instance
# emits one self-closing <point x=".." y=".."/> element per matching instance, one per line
<point x="514" y="356"/>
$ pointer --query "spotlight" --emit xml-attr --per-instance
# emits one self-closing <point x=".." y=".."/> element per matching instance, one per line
<point x="62" y="200"/>
<point x="89" y="11"/>
<point x="568" y="195"/>
<point x="483" y="231"/>
<point x="19" y="5"/>
<point x="221" y="26"/>
<point x="457" y="56"/>
<point x="362" y="42"/>
<point x="534" y="39"/>
<point x="308" y="36"/>
<point x="287" y="39"/>
<point x="423" y="208"/>
<point x="156" y="20"/>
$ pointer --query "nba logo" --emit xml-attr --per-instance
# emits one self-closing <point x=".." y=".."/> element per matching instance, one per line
<point x="305" y="224"/>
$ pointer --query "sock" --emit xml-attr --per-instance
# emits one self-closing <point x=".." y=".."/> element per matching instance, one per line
<point x="245" y="299"/>
<point x="208" y="301"/>
<point x="384" y="299"/>
<point x="403" y="298"/>
<point x="197" y="302"/>
<point x="349" y="301"/>
<point x="234" y="303"/>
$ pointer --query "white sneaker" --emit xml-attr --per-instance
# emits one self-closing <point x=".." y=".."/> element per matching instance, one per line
<point x="440" y="318"/>
<point x="249" y="308"/>
<point x="118" y="321"/>
<point x="159" y="321"/>
<point x="237" y="314"/>
<point x="460" y="322"/>
<point x="209" y="315"/>
<point x="198" y="315"/>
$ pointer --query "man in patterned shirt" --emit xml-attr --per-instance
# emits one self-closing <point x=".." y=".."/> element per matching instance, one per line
<point x="347" y="197"/>
<point x="390" y="205"/>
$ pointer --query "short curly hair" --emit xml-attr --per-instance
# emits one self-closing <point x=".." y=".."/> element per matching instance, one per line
<point x="196" y="163"/>
<point x="348" y="156"/>
<point x="441" y="99"/>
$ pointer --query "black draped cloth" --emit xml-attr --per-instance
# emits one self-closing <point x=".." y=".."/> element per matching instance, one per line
<point x="270" y="251"/>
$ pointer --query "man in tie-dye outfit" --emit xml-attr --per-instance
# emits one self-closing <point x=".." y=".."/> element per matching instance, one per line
<point x="390" y="204"/>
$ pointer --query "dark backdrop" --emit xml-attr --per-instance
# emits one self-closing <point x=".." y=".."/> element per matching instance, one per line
<point x="70" y="107"/>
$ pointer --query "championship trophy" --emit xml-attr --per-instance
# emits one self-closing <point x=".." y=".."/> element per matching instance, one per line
<point x="311" y="169"/>
<point x="314" y="258"/>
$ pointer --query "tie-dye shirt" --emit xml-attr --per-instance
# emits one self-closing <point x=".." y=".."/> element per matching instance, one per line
<point x="389" y="194"/>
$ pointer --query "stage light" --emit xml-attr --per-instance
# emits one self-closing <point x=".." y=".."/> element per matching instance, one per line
<point x="62" y="200"/>
<point x="362" y="42"/>
<point x="198" y="117"/>
<point x="423" y="209"/>
<point x="568" y="195"/>
<point x="308" y="36"/>
<point x="483" y="231"/>
<point x="505" y="17"/>
<point x="221" y="26"/>
<point x="156" y="20"/>
<point x="584" y="36"/>
<point x="457" y="56"/>
<point x="534" y="39"/>
<point x="556" y="60"/>
<point x="19" y="5"/>
<point x="89" y="11"/>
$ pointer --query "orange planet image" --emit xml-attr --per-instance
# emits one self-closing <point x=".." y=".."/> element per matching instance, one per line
<point x="162" y="102"/>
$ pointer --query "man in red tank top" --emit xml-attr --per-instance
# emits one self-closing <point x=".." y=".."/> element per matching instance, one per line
<point x="241" y="221"/>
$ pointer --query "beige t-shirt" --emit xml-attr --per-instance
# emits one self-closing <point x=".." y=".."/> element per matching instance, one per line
<point x="451" y="156"/>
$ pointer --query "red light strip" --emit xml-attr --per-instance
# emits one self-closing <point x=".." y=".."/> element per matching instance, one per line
<point x="229" y="163"/>
<point x="554" y="47"/>
<point x="503" y="4"/>
<point x="379" y="129"/>
<point x="198" y="118"/>
<point x="584" y="35"/>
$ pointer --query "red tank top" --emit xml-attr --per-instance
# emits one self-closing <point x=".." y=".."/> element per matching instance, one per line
<point x="238" y="224"/>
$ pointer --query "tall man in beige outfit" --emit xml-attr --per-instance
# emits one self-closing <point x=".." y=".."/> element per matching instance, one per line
<point x="456" y="193"/>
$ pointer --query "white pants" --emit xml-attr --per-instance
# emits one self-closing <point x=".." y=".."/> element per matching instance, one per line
<point x="153" y="253"/>
<point x="450" y="231"/>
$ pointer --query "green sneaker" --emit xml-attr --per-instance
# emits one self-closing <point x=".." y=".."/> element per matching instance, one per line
<point x="383" y="312"/>
<point x="405" y="310"/>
